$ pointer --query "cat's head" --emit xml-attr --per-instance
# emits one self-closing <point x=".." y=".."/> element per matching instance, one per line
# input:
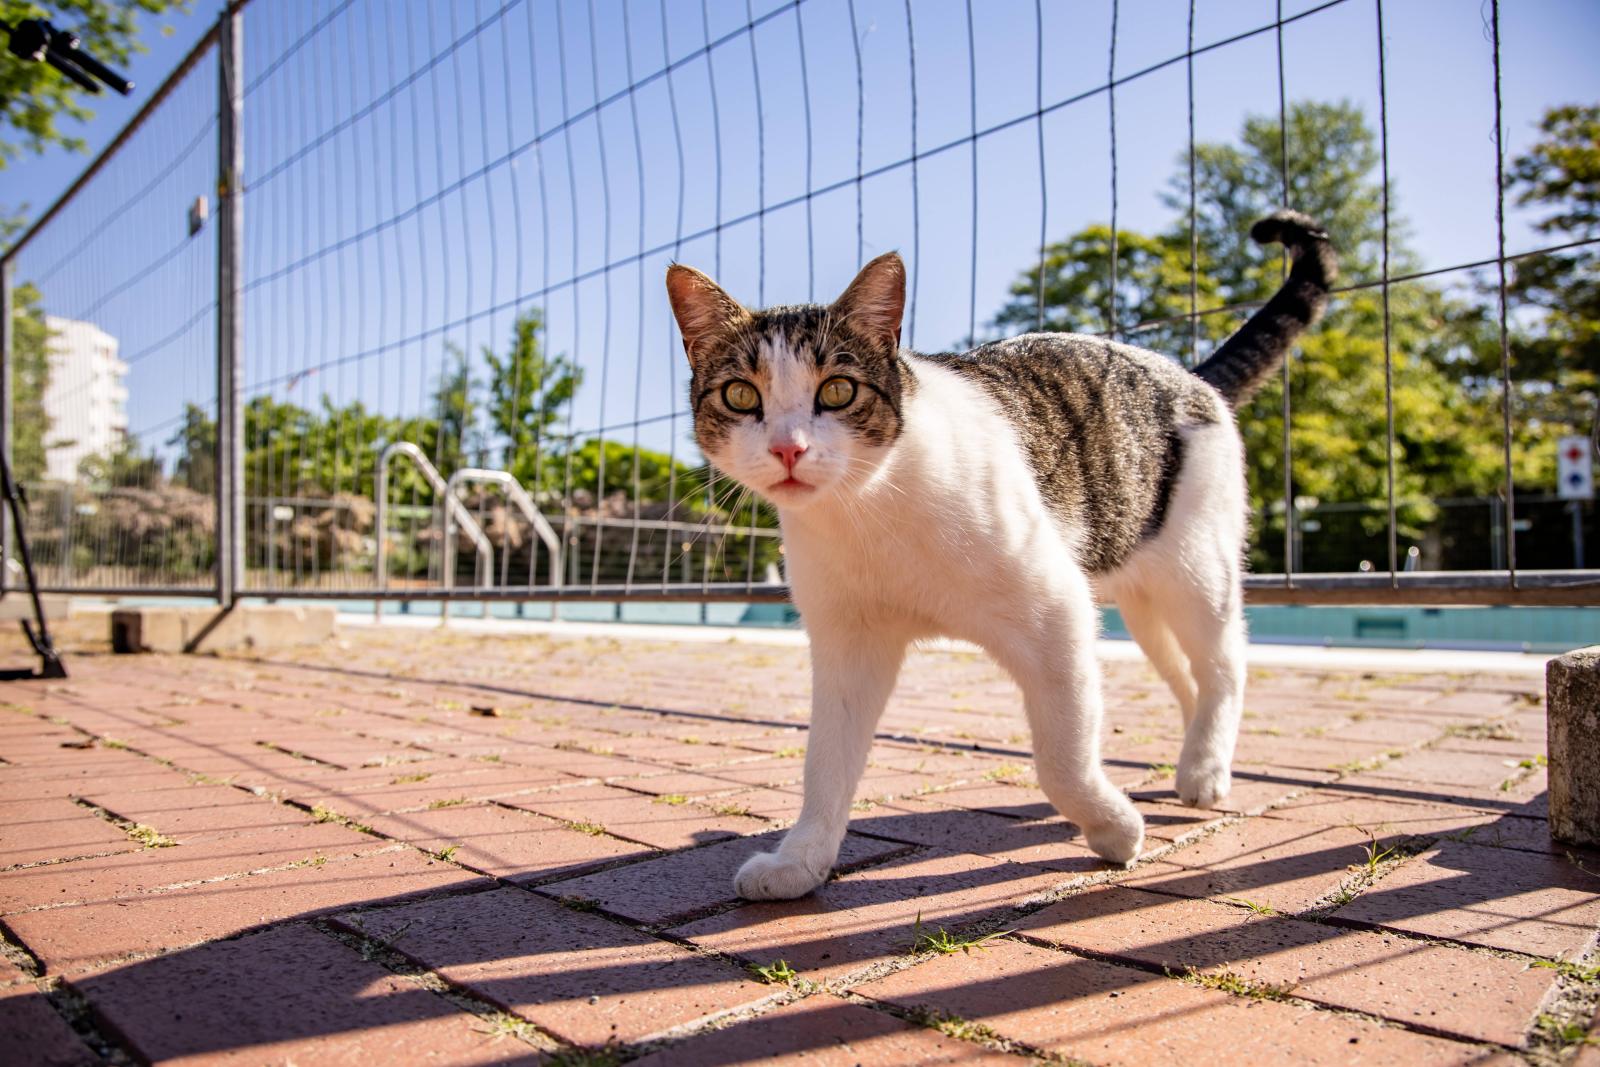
<point x="798" y="403"/>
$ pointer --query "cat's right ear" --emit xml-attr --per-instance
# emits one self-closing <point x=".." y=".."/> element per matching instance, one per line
<point x="704" y="312"/>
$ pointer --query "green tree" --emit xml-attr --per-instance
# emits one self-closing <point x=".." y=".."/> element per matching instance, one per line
<point x="451" y="436"/>
<point x="34" y="96"/>
<point x="196" y="442"/>
<point x="528" y="390"/>
<point x="1152" y="287"/>
<point x="1333" y="159"/>
<point x="125" y="466"/>
<point x="1555" y="298"/>
<point x="659" y="475"/>
<point x="30" y="378"/>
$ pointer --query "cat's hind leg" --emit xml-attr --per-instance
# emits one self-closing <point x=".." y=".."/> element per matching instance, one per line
<point x="1146" y="626"/>
<point x="852" y="674"/>
<point x="1195" y="564"/>
<point x="1210" y="629"/>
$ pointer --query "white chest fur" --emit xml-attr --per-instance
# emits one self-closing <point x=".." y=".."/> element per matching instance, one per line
<point x="951" y="524"/>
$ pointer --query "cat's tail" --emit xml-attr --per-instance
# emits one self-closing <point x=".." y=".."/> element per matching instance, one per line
<point x="1244" y="361"/>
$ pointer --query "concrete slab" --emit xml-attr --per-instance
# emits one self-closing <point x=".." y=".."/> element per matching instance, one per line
<point x="256" y="627"/>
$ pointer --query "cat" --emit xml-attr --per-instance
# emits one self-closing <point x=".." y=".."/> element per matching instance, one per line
<point x="993" y="496"/>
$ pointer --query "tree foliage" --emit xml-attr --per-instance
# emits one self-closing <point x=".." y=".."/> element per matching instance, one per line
<point x="1555" y="298"/>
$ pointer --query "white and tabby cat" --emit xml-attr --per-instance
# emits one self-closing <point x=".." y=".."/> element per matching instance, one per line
<point x="993" y="496"/>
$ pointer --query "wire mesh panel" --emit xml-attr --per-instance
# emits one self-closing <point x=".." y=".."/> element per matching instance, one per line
<point x="113" y="368"/>
<point x="460" y="377"/>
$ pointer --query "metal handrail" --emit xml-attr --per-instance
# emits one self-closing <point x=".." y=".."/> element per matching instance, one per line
<point x="453" y="508"/>
<point x="520" y="499"/>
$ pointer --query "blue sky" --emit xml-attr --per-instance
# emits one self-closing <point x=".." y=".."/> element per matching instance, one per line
<point x="424" y="179"/>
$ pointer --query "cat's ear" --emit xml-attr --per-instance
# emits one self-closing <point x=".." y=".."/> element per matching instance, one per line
<point x="703" y="310"/>
<point x="875" y="302"/>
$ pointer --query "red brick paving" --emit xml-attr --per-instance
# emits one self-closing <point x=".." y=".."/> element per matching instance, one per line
<point x="72" y="938"/>
<point x="1286" y="865"/>
<point x="128" y="873"/>
<point x="55" y="829"/>
<point x="578" y="976"/>
<point x="508" y="844"/>
<point x="871" y="915"/>
<point x="824" y="1031"/>
<point x="30" y="1025"/>
<point x="1541" y="905"/>
<point x="592" y="820"/>
<point x="1442" y="988"/>
<point x="682" y="884"/>
<point x="1105" y="1013"/>
<point x="289" y="995"/>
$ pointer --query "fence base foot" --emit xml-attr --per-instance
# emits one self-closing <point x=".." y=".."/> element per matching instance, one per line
<point x="1572" y="706"/>
<point x="254" y="627"/>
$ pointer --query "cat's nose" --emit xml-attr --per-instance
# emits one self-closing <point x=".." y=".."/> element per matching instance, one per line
<point x="788" y="451"/>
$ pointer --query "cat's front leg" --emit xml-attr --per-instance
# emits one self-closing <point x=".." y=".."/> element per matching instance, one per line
<point x="852" y="674"/>
<point x="1052" y="657"/>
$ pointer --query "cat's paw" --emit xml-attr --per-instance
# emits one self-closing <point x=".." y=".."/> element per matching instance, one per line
<point x="1203" y="782"/>
<point x="769" y="876"/>
<point x="1118" y="839"/>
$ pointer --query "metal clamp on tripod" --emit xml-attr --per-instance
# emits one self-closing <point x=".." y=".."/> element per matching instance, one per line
<point x="37" y="41"/>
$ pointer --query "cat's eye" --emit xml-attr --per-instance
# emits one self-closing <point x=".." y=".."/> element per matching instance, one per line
<point x="836" y="393"/>
<point x="741" y="396"/>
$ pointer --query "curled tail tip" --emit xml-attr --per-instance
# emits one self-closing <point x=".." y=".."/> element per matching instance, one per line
<point x="1299" y="234"/>
<point x="1288" y="228"/>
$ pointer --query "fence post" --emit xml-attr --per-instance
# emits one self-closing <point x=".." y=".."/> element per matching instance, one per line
<point x="230" y="233"/>
<point x="8" y="427"/>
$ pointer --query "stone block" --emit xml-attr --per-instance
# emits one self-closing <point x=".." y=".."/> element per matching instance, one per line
<point x="1572" y="685"/>
<point x="256" y="627"/>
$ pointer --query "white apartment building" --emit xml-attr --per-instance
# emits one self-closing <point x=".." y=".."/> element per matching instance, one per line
<point x="86" y="401"/>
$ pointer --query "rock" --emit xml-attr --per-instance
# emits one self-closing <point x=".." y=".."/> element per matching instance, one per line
<point x="1572" y="686"/>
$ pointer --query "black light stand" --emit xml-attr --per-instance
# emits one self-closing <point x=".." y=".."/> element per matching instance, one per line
<point x="37" y="41"/>
<point x="50" y="665"/>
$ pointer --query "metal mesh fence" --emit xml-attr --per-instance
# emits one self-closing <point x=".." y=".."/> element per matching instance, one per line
<point x="114" y="359"/>
<point x="458" y="377"/>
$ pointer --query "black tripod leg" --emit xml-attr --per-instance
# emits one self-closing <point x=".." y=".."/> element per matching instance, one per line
<point x="50" y="665"/>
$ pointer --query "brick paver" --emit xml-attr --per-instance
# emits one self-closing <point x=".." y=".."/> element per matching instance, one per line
<point x="1286" y="865"/>
<point x="30" y="1024"/>
<point x="386" y="851"/>
<point x="1105" y="1013"/>
<point x="55" y="829"/>
<point x="513" y="845"/>
<point x="72" y="938"/>
<point x="682" y="884"/>
<point x="1543" y="905"/>
<point x="873" y="914"/>
<point x="824" y="1031"/>
<point x="127" y="873"/>
<point x="578" y="976"/>
<point x="1474" y="995"/>
<point x="289" y="995"/>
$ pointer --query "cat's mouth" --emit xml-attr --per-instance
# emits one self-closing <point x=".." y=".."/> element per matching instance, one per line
<point x="792" y="484"/>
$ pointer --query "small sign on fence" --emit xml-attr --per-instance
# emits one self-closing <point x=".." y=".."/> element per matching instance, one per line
<point x="1574" y="469"/>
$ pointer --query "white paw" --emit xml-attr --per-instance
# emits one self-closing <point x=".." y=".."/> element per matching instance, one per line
<point x="1118" y="839"/>
<point x="1201" y="783"/>
<point x="768" y="876"/>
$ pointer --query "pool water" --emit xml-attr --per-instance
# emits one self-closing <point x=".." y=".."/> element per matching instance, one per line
<point x="1491" y="629"/>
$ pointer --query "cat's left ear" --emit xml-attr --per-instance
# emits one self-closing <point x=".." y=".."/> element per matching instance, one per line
<point x="875" y="302"/>
<point x="704" y="312"/>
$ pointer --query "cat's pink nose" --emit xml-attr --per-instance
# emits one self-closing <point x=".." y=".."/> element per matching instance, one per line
<point x="788" y="451"/>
